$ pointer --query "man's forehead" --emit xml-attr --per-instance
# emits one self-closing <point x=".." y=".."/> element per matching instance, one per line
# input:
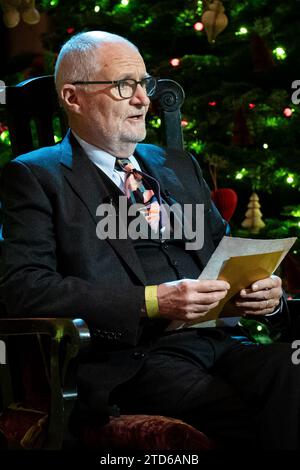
<point x="120" y="56"/>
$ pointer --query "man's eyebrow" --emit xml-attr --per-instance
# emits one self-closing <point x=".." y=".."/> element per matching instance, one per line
<point x="129" y="76"/>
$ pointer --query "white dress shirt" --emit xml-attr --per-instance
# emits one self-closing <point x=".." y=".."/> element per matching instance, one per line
<point x="106" y="162"/>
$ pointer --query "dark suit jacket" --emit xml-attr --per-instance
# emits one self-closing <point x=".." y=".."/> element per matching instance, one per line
<point x="54" y="264"/>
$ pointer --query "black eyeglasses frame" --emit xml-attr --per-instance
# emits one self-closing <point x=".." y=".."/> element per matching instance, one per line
<point x="119" y="83"/>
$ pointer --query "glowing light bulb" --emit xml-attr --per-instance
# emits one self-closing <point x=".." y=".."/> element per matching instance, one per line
<point x="279" y="53"/>
<point x="241" y="31"/>
<point x="287" y="112"/>
<point x="175" y="62"/>
<point x="198" y="26"/>
<point x="265" y="146"/>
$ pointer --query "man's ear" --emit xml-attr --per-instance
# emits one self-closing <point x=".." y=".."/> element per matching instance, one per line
<point x="70" y="98"/>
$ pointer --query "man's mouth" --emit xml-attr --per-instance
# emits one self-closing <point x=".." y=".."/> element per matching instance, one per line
<point x="136" y="117"/>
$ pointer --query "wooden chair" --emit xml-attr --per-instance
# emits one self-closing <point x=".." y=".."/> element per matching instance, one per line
<point x="38" y="378"/>
<point x="38" y="381"/>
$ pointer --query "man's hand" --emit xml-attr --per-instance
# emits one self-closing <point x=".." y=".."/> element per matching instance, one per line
<point x="261" y="298"/>
<point x="189" y="299"/>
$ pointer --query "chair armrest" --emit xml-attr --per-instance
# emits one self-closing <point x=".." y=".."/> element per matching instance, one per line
<point x="67" y="338"/>
<point x="55" y="327"/>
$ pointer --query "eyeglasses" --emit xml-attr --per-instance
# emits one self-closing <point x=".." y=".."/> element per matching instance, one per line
<point x="127" y="87"/>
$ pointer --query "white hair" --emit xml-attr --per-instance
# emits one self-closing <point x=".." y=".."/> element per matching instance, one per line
<point x="76" y="60"/>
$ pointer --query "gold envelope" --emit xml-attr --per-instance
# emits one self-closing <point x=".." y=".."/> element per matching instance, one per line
<point x="241" y="272"/>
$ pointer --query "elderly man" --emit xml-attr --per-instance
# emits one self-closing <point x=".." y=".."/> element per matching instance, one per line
<point x="128" y="289"/>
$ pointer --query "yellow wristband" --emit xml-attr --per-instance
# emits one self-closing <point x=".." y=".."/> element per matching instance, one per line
<point x="151" y="301"/>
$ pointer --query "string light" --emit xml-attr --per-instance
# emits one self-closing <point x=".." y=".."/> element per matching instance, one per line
<point x="252" y="105"/>
<point x="155" y="122"/>
<point x="212" y="103"/>
<point x="175" y="62"/>
<point x="290" y="179"/>
<point x="287" y="112"/>
<point x="5" y="137"/>
<point x="124" y="3"/>
<point x="241" y="31"/>
<point x="184" y="122"/>
<point x="199" y="7"/>
<point x="279" y="53"/>
<point x="240" y="174"/>
<point x="97" y="9"/>
<point x="198" y="26"/>
<point x="265" y="146"/>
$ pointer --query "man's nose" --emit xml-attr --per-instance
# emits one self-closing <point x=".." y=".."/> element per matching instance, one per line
<point x="140" y="96"/>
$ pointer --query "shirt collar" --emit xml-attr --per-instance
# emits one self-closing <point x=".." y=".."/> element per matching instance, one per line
<point x="103" y="160"/>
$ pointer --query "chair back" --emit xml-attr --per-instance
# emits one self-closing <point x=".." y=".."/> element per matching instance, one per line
<point x="35" y="118"/>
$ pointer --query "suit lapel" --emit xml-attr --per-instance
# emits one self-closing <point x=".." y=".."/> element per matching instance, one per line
<point x="164" y="166"/>
<point x="163" y="170"/>
<point x="84" y="179"/>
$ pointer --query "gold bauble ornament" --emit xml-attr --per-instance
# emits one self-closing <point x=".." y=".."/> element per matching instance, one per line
<point x="30" y="15"/>
<point x="13" y="10"/>
<point x="214" y="20"/>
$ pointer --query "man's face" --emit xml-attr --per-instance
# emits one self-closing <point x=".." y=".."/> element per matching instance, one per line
<point x="114" y="124"/>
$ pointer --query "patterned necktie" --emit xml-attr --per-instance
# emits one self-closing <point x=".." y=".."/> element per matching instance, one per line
<point x="138" y="189"/>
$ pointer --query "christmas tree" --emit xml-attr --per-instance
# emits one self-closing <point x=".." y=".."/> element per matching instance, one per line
<point x="241" y="115"/>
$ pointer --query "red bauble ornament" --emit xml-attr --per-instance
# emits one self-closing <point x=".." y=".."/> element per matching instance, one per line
<point x="226" y="201"/>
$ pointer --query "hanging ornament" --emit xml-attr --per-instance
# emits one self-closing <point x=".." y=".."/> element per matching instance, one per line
<point x="253" y="217"/>
<point x="261" y="55"/>
<point x="214" y="19"/>
<point x="241" y="134"/>
<point x="226" y="200"/>
<point x="13" y="10"/>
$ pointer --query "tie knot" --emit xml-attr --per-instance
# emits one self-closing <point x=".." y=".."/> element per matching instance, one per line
<point x="124" y="164"/>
